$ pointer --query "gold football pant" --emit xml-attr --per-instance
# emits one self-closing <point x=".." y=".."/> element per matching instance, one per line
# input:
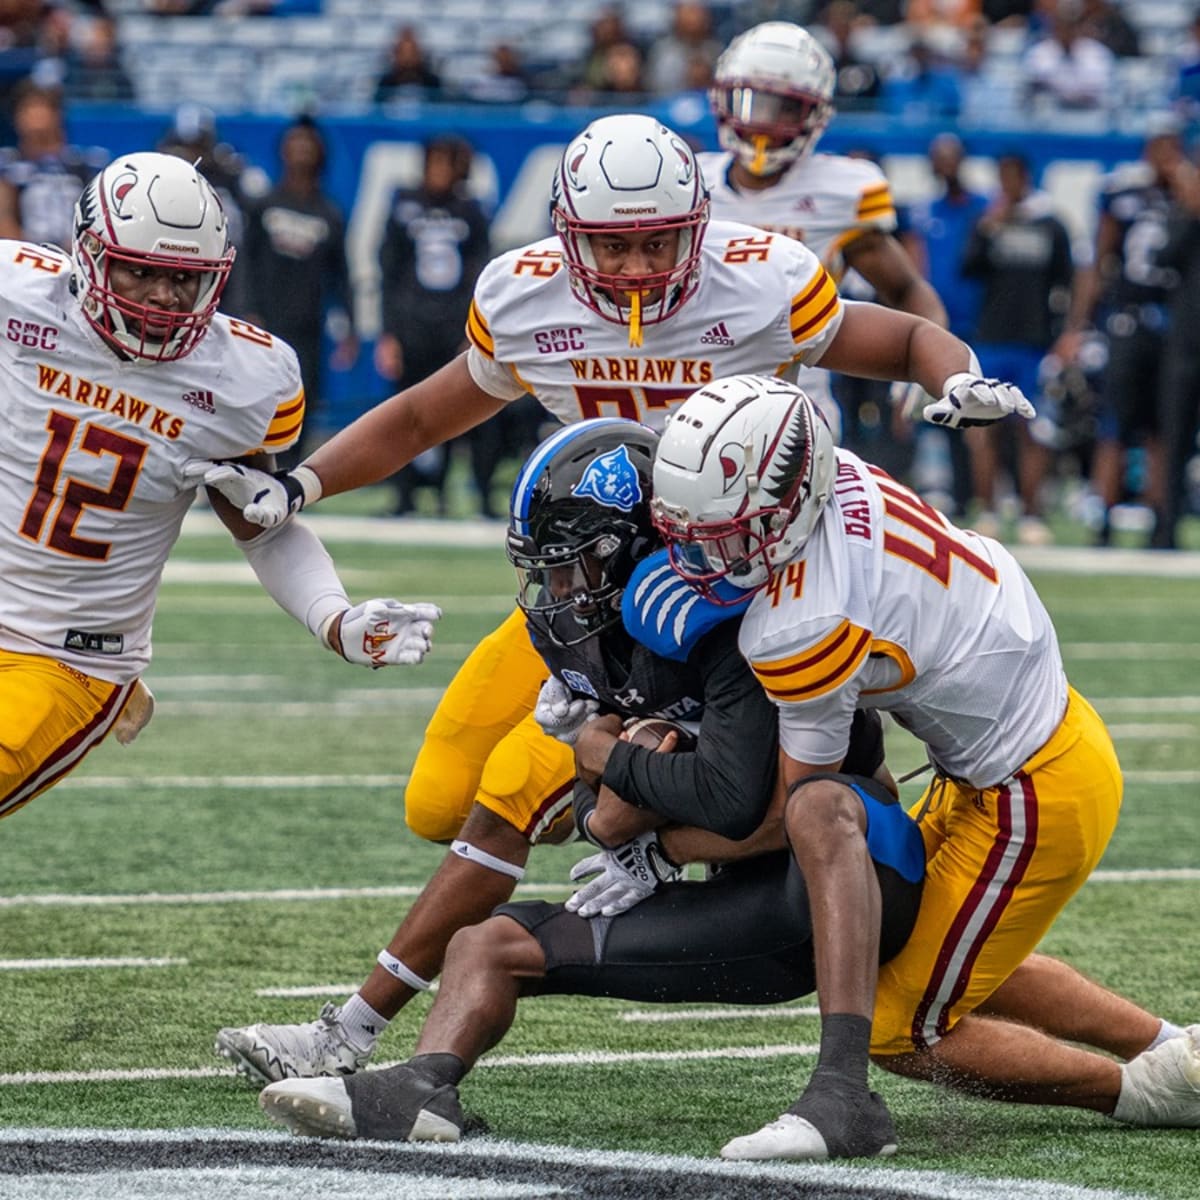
<point x="51" y="716"/>
<point x="483" y="746"/>
<point x="1002" y="863"/>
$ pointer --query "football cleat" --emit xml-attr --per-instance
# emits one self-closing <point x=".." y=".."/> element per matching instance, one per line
<point x="268" y="1053"/>
<point x="1162" y="1086"/>
<point x="831" y="1120"/>
<point x="392" y="1105"/>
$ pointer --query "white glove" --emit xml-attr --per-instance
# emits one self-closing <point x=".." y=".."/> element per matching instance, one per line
<point x="384" y="633"/>
<point x="624" y="877"/>
<point x="560" y="714"/>
<point x="972" y="400"/>
<point x="908" y="398"/>
<point x="264" y="499"/>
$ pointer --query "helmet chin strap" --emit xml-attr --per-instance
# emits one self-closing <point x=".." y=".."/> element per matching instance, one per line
<point x="635" y="317"/>
<point x="758" y="166"/>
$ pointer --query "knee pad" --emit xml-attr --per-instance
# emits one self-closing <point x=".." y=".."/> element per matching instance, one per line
<point x="528" y="780"/>
<point x="440" y="792"/>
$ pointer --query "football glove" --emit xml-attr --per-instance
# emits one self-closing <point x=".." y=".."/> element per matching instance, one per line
<point x="624" y="877"/>
<point x="264" y="499"/>
<point x="561" y="715"/>
<point x="972" y="400"/>
<point x="384" y="633"/>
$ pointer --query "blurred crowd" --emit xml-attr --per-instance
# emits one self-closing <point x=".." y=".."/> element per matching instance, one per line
<point x="1097" y="335"/>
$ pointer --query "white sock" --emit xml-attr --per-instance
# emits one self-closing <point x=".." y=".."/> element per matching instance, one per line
<point x="361" y="1023"/>
<point x="1166" y="1032"/>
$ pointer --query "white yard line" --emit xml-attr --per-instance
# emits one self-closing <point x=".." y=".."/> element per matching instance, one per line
<point x="68" y="964"/>
<point x="655" y="1016"/>
<point x="233" y="782"/>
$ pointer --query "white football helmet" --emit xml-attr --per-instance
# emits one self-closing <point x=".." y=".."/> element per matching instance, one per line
<point x="629" y="174"/>
<point x="772" y="94"/>
<point x="156" y="211"/>
<point x="743" y="471"/>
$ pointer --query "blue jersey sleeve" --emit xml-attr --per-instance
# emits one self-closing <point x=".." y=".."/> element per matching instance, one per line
<point x="666" y="615"/>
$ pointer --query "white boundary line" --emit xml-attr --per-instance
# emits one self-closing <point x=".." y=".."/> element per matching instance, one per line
<point x="934" y="1185"/>
<point x="659" y="1016"/>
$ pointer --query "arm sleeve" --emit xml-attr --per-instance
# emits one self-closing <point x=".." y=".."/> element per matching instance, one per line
<point x="725" y="785"/>
<point x="492" y="377"/>
<point x="297" y="573"/>
<point x="340" y="294"/>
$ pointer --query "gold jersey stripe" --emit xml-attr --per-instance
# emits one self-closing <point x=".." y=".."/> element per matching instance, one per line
<point x="818" y="669"/>
<point x="479" y="333"/>
<point x="813" y="309"/>
<point x="285" y="424"/>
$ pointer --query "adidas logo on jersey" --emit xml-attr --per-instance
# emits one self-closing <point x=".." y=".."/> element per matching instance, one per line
<point x="201" y="400"/>
<point x="718" y="335"/>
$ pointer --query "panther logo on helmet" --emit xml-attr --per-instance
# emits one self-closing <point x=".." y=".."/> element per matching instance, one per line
<point x="611" y="480"/>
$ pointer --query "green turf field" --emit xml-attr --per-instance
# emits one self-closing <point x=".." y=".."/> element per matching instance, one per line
<point x="273" y="772"/>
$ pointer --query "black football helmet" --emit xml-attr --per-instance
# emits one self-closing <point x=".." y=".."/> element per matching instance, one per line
<point x="579" y="521"/>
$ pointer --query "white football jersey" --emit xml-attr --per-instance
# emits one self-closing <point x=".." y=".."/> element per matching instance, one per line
<point x="764" y="305"/>
<point x="822" y="200"/>
<point x="890" y="606"/>
<point x="92" y="493"/>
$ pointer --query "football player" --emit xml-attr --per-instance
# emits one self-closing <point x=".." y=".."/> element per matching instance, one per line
<point x="863" y="594"/>
<point x="585" y="551"/>
<point x="117" y="371"/>
<point x="612" y="316"/>
<point x="772" y="96"/>
<point x="591" y="577"/>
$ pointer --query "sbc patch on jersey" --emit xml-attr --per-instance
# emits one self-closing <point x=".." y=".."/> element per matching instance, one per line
<point x="612" y="480"/>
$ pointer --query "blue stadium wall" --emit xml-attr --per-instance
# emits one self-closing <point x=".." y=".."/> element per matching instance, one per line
<point x="516" y="150"/>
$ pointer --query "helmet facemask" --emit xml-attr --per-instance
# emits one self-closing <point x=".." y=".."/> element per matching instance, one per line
<point x="743" y="474"/>
<point x="768" y="129"/>
<point x="149" y="212"/>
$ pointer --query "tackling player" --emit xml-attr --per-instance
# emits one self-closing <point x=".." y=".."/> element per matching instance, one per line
<point x="117" y="370"/>
<point x="772" y="95"/>
<point x="768" y="926"/>
<point x="616" y="315"/>
<point x="863" y="594"/>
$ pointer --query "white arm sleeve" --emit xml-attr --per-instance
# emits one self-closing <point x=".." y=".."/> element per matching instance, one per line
<point x="297" y="573"/>
<point x="492" y="377"/>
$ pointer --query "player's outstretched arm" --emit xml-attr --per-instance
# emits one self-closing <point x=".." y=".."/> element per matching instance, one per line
<point x="375" y="446"/>
<point x="880" y="343"/>
<point x="296" y="571"/>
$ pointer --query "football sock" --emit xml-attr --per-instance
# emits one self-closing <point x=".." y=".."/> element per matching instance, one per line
<point x="845" y="1045"/>
<point x="439" y="1069"/>
<point x="361" y="1024"/>
<point x="1166" y="1032"/>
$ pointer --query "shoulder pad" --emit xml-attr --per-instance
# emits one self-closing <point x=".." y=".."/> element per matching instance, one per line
<point x="667" y="616"/>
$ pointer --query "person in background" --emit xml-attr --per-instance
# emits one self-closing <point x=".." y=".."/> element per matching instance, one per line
<point x="434" y="245"/>
<point x="676" y="58"/>
<point x="939" y="229"/>
<point x="409" y="72"/>
<point x="1021" y="253"/>
<point x="42" y="176"/>
<point x="93" y="65"/>
<point x="295" y="252"/>
<point x="1125" y="291"/>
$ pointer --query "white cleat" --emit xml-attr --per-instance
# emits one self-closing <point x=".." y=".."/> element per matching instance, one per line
<point x="323" y="1108"/>
<point x="789" y="1137"/>
<point x="310" y="1107"/>
<point x="268" y="1053"/>
<point x="1161" y="1087"/>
